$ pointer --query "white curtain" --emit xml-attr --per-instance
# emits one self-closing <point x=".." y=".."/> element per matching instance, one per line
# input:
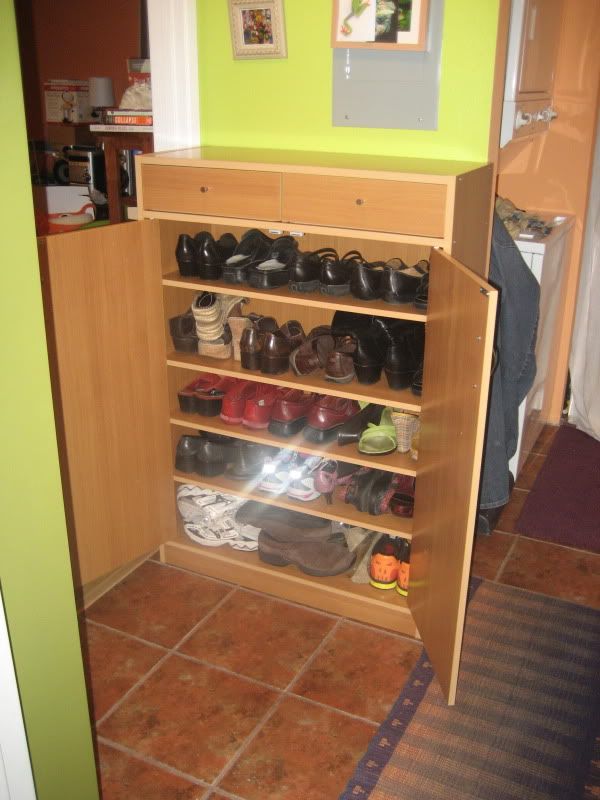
<point x="584" y="363"/>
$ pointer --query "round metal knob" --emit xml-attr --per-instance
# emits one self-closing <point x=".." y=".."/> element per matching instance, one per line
<point x="204" y="189"/>
<point x="359" y="202"/>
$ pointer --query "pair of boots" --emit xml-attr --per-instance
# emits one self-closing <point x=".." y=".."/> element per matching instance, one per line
<point x="304" y="541"/>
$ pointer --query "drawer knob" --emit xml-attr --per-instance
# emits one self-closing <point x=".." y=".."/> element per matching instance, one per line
<point x="359" y="201"/>
<point x="204" y="189"/>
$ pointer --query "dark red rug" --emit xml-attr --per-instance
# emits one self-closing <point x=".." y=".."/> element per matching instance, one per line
<point x="564" y="505"/>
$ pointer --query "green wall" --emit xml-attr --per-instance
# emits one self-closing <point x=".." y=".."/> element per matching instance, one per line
<point x="286" y="103"/>
<point x="35" y="572"/>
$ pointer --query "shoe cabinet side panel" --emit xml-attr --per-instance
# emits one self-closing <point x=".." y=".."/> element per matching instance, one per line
<point x="104" y="321"/>
<point x="458" y="354"/>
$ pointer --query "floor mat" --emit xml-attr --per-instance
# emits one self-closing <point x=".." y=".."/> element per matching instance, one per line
<point x="564" y="505"/>
<point x="526" y="717"/>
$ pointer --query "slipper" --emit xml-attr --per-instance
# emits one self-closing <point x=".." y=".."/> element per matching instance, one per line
<point x="378" y="440"/>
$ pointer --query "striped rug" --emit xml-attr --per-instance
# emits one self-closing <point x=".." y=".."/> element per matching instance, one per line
<point x="526" y="718"/>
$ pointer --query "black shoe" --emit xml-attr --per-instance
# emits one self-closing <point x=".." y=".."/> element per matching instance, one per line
<point x="274" y="270"/>
<point x="366" y="280"/>
<point x="185" y="454"/>
<point x="422" y="293"/>
<point x="305" y="269"/>
<point x="185" y="253"/>
<point x="212" y="255"/>
<point x="183" y="332"/>
<point x="400" y="282"/>
<point x="351" y="431"/>
<point x="254" y="246"/>
<point x="405" y="356"/>
<point x="335" y="275"/>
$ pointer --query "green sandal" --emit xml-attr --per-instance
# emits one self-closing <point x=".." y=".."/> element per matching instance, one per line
<point x="378" y="440"/>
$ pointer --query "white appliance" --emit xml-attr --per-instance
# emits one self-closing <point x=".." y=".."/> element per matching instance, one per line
<point x="546" y="256"/>
<point x="531" y="58"/>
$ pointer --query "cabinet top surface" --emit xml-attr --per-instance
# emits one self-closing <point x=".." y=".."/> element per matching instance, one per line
<point x="300" y="161"/>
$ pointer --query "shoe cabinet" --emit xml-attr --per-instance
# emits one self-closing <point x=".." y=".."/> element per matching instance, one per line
<point x="110" y="292"/>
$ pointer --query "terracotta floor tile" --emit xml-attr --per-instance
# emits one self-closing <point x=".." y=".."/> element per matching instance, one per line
<point x="259" y="637"/>
<point x="545" y="439"/>
<point x="304" y="752"/>
<point x="158" y="603"/>
<point x="511" y="512"/>
<point x="360" y="670"/>
<point x="189" y="716"/>
<point x="554" y="570"/>
<point x="125" y="778"/>
<point x="489" y="553"/>
<point x="530" y="471"/>
<point x="114" y="664"/>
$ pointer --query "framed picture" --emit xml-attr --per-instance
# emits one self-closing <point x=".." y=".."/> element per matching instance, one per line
<point x="380" y="24"/>
<point x="257" y="28"/>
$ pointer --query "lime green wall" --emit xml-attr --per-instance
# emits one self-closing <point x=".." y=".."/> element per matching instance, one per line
<point x="34" y="563"/>
<point x="286" y="103"/>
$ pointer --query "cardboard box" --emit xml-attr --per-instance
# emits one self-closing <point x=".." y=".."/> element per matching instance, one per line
<point x="67" y="101"/>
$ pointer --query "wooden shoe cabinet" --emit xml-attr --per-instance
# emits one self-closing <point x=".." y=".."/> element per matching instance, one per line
<point x="109" y="293"/>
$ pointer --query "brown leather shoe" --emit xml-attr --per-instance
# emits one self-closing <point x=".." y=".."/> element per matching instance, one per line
<point x="340" y="363"/>
<point x="294" y="333"/>
<point x="312" y="355"/>
<point x="326" y="415"/>
<point x="251" y="345"/>
<point x="275" y="353"/>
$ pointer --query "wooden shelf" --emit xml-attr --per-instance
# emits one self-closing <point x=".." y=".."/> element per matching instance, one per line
<point x="336" y="594"/>
<point x="378" y="392"/>
<point x="393" y="462"/>
<point x="283" y="295"/>
<point x="337" y="511"/>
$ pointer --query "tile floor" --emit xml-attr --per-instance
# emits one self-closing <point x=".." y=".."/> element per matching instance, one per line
<point x="201" y="690"/>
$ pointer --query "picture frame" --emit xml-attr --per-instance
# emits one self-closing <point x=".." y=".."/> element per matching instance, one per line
<point x="380" y="24"/>
<point x="257" y="29"/>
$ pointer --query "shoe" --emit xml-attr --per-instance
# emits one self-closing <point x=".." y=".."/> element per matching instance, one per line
<point x="258" y="406"/>
<point x="234" y="401"/>
<point x="405" y="355"/>
<point x="274" y="270"/>
<point x="351" y="431"/>
<point x="213" y="254"/>
<point x="290" y="411"/>
<point x="384" y="564"/>
<point x="212" y="456"/>
<point x="294" y="333"/>
<point x="400" y="282"/>
<point x="379" y="438"/>
<point x="326" y="415"/>
<point x="335" y="274"/>
<point x="275" y="353"/>
<point x="305" y="269"/>
<point x="402" y="504"/>
<point x="276" y="472"/>
<point x="369" y="354"/>
<point x="312" y="355"/>
<point x="379" y="493"/>
<point x="404" y="571"/>
<point x="237" y="325"/>
<point x="366" y="280"/>
<point x="183" y="332"/>
<point x="416" y="385"/>
<point x="185" y="453"/>
<point x="253" y="247"/>
<point x="422" y="293"/>
<point x="249" y="461"/>
<point x="283" y="524"/>
<point x="333" y="474"/>
<point x="318" y="558"/>
<point x="339" y="367"/>
<point x="204" y="395"/>
<point x="252" y="340"/>
<point x="211" y="311"/>
<point x="186" y="256"/>
<point x="302" y="484"/>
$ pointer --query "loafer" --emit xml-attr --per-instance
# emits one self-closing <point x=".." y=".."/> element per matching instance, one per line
<point x="258" y="406"/>
<point x="404" y="356"/>
<point x="275" y="353"/>
<point x="234" y="401"/>
<point x="213" y="254"/>
<point x="204" y="395"/>
<point x="305" y="269"/>
<point x="185" y="452"/>
<point x="422" y="293"/>
<point x="253" y="339"/>
<point x="335" y="275"/>
<point x="254" y="246"/>
<point x="247" y="464"/>
<point x="340" y="364"/>
<point x="366" y="280"/>
<point x="290" y="411"/>
<point x="186" y="256"/>
<point x="326" y="415"/>
<point x="274" y="270"/>
<point x="212" y="457"/>
<point x="183" y="332"/>
<point x="400" y="282"/>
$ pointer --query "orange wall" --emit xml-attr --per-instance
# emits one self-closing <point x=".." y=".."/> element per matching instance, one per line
<point x="551" y="172"/>
<point x="74" y="39"/>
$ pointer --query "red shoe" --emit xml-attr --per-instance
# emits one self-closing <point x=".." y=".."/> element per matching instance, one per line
<point x="290" y="412"/>
<point x="204" y="395"/>
<point x="258" y="407"/>
<point x="326" y="415"/>
<point x="234" y="401"/>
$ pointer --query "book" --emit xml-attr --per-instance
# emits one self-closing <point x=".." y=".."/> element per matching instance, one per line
<point x="125" y="116"/>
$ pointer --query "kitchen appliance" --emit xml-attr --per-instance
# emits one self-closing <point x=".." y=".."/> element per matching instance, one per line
<point x="86" y="166"/>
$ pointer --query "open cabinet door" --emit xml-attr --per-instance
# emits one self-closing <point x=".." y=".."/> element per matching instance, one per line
<point x="105" y="328"/>
<point x="458" y="356"/>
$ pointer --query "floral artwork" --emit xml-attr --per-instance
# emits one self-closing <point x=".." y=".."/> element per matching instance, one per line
<point x="257" y="26"/>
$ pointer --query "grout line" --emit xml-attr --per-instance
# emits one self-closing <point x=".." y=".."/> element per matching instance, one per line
<point x="506" y="558"/>
<point x="226" y="671"/>
<point x="125" y="634"/>
<point x="153" y="762"/>
<point x="558" y="544"/>
<point x="316" y="652"/>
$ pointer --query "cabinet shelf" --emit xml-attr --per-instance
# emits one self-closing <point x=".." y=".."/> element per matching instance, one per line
<point x="378" y="392"/>
<point x="392" y="462"/>
<point x="283" y="295"/>
<point x="337" y="511"/>
<point x="336" y="594"/>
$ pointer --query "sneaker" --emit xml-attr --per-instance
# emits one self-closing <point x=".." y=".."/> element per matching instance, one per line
<point x="384" y="565"/>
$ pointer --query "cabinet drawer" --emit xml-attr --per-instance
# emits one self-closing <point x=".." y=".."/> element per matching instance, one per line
<point x="365" y="204"/>
<point x="223" y="192"/>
